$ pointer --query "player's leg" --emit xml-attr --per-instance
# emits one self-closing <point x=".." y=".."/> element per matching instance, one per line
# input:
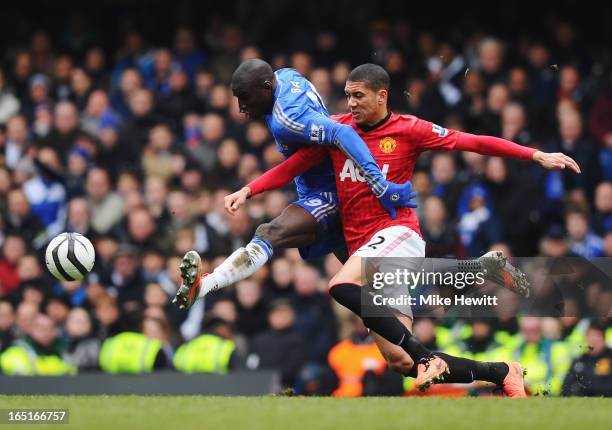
<point x="397" y="359"/>
<point x="507" y="375"/>
<point x="432" y="367"/>
<point x="346" y="289"/>
<point x="295" y="227"/>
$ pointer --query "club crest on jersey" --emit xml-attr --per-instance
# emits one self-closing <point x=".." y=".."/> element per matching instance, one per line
<point x="387" y="145"/>
<point x="440" y="131"/>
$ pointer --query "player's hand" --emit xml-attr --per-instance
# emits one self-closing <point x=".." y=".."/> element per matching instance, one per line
<point x="555" y="160"/>
<point x="398" y="195"/>
<point x="237" y="199"/>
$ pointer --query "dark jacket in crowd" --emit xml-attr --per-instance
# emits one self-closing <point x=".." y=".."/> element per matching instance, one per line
<point x="590" y="375"/>
<point x="284" y="351"/>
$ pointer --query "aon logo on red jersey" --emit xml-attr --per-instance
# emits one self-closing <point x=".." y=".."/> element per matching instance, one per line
<point x="354" y="174"/>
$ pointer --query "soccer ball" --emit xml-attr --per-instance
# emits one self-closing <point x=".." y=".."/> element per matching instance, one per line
<point x="70" y="256"/>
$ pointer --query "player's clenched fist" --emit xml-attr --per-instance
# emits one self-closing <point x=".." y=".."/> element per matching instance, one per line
<point x="237" y="199"/>
<point x="398" y="195"/>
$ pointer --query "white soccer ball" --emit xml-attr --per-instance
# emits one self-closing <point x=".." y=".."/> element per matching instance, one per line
<point x="70" y="256"/>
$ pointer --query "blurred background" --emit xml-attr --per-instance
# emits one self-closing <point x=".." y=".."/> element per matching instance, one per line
<point x="117" y="122"/>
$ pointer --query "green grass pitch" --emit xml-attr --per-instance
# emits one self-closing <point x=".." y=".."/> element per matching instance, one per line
<point x="296" y="413"/>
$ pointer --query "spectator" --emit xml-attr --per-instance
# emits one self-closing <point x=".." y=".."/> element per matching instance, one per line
<point x="135" y="131"/>
<point x="447" y="69"/>
<point x="589" y="374"/>
<point x="279" y="347"/>
<point x="17" y="142"/>
<point x="97" y="106"/>
<point x="161" y="72"/>
<point x="602" y="220"/>
<point x="157" y="159"/>
<point x="40" y="353"/>
<point x="143" y="231"/>
<point x="20" y="219"/>
<point x="81" y="87"/>
<point x="9" y="104"/>
<point x="46" y="192"/>
<point x="573" y="142"/>
<point x="95" y="66"/>
<point x="360" y="368"/>
<point x="280" y="285"/>
<point x="24" y="318"/>
<point x="7" y="320"/>
<point x="497" y="98"/>
<point x="179" y="99"/>
<point x="251" y="308"/>
<point x="314" y="318"/>
<point x="478" y="227"/>
<point x="582" y="241"/>
<point x="491" y="60"/>
<point x="83" y="346"/>
<point x="439" y="234"/>
<point x="62" y="69"/>
<point x="78" y="164"/>
<point x="106" y="205"/>
<point x="211" y="352"/>
<point x="445" y="183"/>
<point x="39" y="95"/>
<point x="65" y="130"/>
<point x="187" y="53"/>
<point x="518" y="211"/>
<point x="213" y="129"/>
<point x="130" y="83"/>
<point x="126" y="281"/>
<point x="158" y="328"/>
<point x="107" y="315"/>
<point x="13" y="249"/>
<point x="548" y="361"/>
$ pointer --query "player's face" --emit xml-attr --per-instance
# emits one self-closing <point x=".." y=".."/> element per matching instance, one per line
<point x="367" y="105"/>
<point x="255" y="102"/>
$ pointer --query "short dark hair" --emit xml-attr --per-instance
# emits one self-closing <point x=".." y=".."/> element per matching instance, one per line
<point x="373" y="75"/>
<point x="251" y="73"/>
<point x="598" y="326"/>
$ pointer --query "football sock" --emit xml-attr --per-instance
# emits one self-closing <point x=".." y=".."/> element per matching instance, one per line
<point x="464" y="371"/>
<point x="241" y="264"/>
<point x="385" y="323"/>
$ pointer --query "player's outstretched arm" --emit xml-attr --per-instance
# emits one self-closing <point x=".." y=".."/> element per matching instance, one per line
<point x="277" y="177"/>
<point x="432" y="136"/>
<point x="495" y="146"/>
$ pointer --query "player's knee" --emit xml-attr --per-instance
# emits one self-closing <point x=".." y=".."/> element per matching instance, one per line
<point x="270" y="231"/>
<point x="400" y="363"/>
<point x="343" y="277"/>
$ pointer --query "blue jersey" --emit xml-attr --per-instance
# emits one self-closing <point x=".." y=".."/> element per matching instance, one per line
<point x="297" y="120"/>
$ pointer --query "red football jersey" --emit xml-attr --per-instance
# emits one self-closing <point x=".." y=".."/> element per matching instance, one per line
<point x="395" y="145"/>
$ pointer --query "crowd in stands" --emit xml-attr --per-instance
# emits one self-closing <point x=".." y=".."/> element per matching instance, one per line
<point x="134" y="145"/>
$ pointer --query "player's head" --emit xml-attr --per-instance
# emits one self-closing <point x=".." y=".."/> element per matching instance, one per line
<point x="367" y="90"/>
<point x="253" y="84"/>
